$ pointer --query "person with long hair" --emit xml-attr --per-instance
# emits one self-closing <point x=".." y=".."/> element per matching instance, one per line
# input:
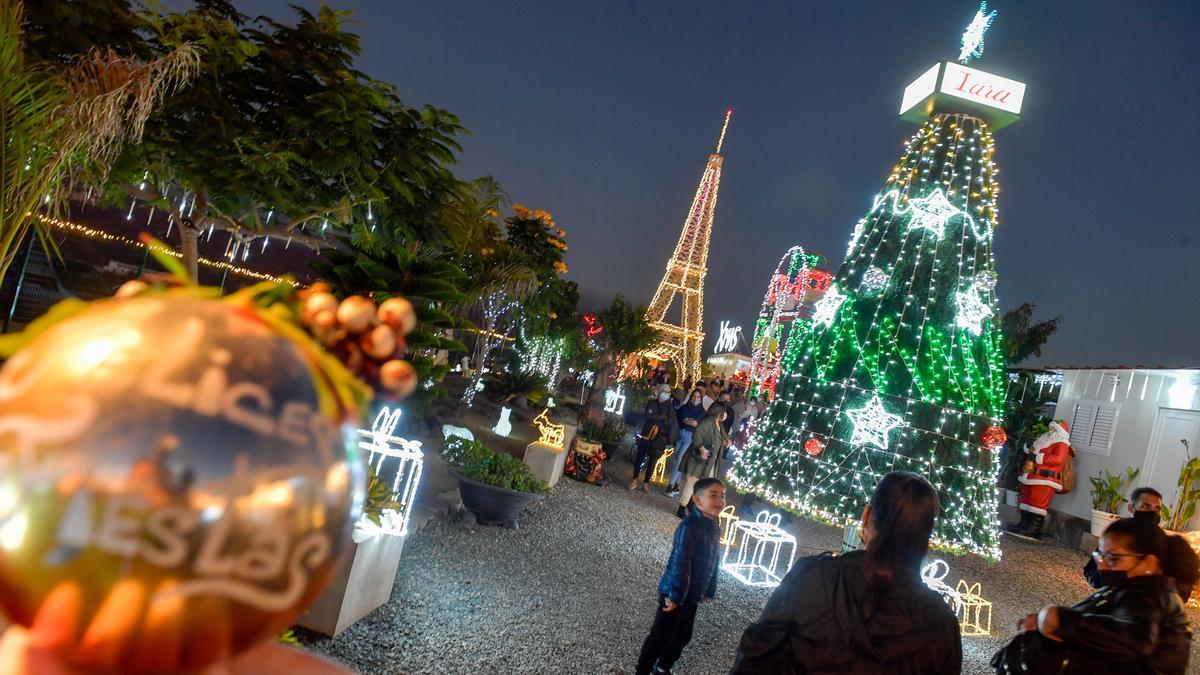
<point x="708" y="440"/>
<point x="688" y="413"/>
<point x="863" y="611"/>
<point x="1135" y="623"/>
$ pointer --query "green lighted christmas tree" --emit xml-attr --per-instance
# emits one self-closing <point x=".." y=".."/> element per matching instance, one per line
<point x="900" y="368"/>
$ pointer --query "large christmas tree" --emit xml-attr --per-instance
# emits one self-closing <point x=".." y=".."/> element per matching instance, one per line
<point x="900" y="368"/>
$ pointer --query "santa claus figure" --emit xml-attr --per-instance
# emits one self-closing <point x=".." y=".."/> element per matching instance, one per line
<point x="1042" y="477"/>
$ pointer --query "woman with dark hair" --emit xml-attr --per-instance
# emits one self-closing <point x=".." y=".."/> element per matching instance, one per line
<point x="708" y="440"/>
<point x="1135" y="623"/>
<point x="864" y="611"/>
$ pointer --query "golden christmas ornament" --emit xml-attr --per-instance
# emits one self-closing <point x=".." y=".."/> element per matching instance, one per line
<point x="170" y="490"/>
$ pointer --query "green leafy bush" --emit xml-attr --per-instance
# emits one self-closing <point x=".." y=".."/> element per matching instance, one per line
<point x="1108" y="491"/>
<point x="481" y="463"/>
<point x="611" y="431"/>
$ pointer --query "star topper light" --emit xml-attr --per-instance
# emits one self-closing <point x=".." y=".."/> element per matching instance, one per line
<point x="931" y="212"/>
<point x="873" y="423"/>
<point x="972" y="39"/>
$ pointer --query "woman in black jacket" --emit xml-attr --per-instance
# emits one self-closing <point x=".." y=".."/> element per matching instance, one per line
<point x="865" y="611"/>
<point x="1134" y="624"/>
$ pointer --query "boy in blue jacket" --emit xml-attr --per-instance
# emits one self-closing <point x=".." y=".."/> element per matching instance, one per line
<point x="690" y="578"/>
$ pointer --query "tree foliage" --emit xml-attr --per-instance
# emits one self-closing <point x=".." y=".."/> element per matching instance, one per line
<point x="1023" y="337"/>
<point x="279" y="135"/>
<point x="67" y="118"/>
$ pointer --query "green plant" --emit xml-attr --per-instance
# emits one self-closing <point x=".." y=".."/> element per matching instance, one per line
<point x="1187" y="496"/>
<point x="288" y="637"/>
<point x="1108" y="490"/>
<point x="509" y="384"/>
<point x="610" y="430"/>
<point x="378" y="497"/>
<point x="479" y="462"/>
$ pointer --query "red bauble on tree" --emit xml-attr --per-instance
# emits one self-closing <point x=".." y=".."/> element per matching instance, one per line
<point x="993" y="437"/>
<point x="813" y="447"/>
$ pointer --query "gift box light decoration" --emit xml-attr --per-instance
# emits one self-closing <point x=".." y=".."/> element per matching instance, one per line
<point x="659" y="475"/>
<point x="973" y="612"/>
<point x="504" y="424"/>
<point x="728" y="519"/>
<point x="396" y="458"/>
<point x="766" y="552"/>
<point x="549" y="433"/>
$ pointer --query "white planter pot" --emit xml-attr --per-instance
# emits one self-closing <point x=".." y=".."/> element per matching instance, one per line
<point x="1101" y="521"/>
<point x="1012" y="498"/>
<point x="362" y="585"/>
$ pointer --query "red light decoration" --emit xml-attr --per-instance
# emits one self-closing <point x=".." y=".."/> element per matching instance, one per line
<point x="593" y="326"/>
<point x="993" y="437"/>
<point x="813" y="447"/>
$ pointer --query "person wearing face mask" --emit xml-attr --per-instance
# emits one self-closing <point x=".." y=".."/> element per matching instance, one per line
<point x="1180" y="561"/>
<point x="658" y="430"/>
<point x="1135" y="622"/>
<point x="688" y="415"/>
<point x="708" y="440"/>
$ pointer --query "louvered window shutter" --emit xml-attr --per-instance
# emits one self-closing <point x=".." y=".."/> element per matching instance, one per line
<point x="1081" y="424"/>
<point x="1103" y="427"/>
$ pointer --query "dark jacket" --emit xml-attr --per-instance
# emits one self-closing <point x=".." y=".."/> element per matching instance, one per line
<point x="688" y="411"/>
<point x="1136" y="626"/>
<point x="819" y="621"/>
<point x="660" y="414"/>
<point x="691" y="573"/>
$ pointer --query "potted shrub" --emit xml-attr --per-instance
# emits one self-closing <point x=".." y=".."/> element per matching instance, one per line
<point x="1187" y="494"/>
<point x="1108" y="494"/>
<point x="494" y="486"/>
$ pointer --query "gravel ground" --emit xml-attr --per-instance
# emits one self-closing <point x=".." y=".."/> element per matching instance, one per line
<point x="573" y="590"/>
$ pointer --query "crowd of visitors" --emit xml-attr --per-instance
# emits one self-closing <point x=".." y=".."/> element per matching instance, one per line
<point x="700" y="427"/>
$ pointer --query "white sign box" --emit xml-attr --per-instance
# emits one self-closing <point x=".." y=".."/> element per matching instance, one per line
<point x="953" y="87"/>
<point x="984" y="88"/>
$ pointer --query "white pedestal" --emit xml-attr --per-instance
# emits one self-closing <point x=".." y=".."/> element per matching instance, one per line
<point x="546" y="461"/>
<point x="358" y="589"/>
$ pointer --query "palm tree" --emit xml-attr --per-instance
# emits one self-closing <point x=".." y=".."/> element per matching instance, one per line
<point x="61" y="125"/>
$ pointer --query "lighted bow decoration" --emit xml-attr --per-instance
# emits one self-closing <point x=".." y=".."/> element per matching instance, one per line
<point x="728" y="517"/>
<point x="385" y="422"/>
<point x="549" y="433"/>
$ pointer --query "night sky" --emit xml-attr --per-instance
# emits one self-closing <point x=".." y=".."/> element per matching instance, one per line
<point x="603" y="113"/>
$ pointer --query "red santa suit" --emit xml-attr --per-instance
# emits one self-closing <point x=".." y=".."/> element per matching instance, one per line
<point x="1043" y="475"/>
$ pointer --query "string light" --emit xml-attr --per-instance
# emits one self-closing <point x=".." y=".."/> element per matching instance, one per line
<point x="902" y="380"/>
<point x="92" y="233"/>
<point x="685" y="275"/>
<point x="798" y="280"/>
<point x="972" y="39"/>
<point x="614" y="400"/>
<point x="400" y="458"/>
<point x="728" y="341"/>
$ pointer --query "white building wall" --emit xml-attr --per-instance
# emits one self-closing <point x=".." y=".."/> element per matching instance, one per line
<point x="1139" y="394"/>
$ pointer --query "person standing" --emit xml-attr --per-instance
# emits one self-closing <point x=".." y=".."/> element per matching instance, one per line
<point x="1135" y="623"/>
<point x="658" y="430"/>
<point x="701" y="462"/>
<point x="688" y="415"/>
<point x="689" y="579"/>
<point x="863" y="611"/>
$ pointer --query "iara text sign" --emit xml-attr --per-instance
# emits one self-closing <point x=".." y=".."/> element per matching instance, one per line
<point x="954" y="88"/>
<point x="976" y="85"/>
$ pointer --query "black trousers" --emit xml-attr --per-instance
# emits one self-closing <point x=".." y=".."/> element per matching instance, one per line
<point x="671" y="632"/>
<point x="647" y="457"/>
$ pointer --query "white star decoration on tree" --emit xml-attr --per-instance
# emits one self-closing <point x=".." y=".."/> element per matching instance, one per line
<point x="971" y="311"/>
<point x="873" y="423"/>
<point x="827" y="307"/>
<point x="932" y="212"/>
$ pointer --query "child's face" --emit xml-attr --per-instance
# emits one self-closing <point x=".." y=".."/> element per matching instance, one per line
<point x="711" y="500"/>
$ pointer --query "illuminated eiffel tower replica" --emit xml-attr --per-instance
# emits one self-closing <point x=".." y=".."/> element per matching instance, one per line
<point x="685" y="276"/>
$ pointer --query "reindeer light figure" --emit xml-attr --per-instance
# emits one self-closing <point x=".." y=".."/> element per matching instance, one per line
<point x="549" y="433"/>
